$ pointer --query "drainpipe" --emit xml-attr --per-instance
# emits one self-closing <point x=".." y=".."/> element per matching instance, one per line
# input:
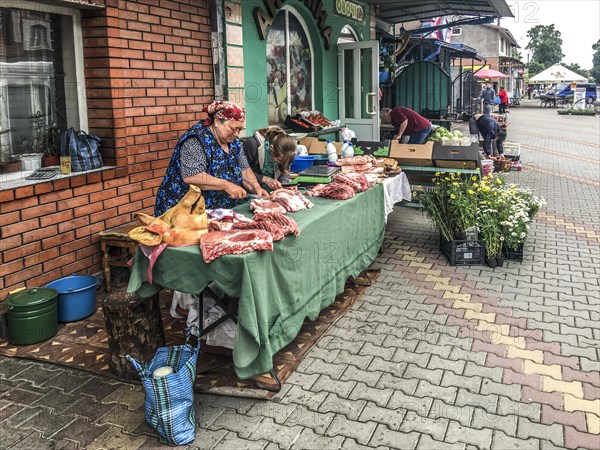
<point x="218" y="52"/>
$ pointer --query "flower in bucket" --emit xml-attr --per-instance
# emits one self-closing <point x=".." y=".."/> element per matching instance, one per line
<point x="451" y="208"/>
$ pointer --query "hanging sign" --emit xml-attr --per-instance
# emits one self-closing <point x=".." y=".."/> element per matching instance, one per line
<point x="350" y="10"/>
<point x="263" y="19"/>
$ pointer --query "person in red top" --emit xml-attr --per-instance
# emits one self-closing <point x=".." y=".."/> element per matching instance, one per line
<point x="503" y="100"/>
<point x="407" y="122"/>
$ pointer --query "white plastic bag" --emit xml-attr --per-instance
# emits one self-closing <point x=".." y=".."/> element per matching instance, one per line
<point x="347" y="134"/>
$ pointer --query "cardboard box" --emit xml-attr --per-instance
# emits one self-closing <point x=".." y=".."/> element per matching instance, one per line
<point x="317" y="147"/>
<point x="419" y="155"/>
<point x="456" y="156"/>
<point x="378" y="149"/>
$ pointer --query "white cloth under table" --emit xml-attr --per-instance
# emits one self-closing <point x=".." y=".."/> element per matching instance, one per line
<point x="395" y="190"/>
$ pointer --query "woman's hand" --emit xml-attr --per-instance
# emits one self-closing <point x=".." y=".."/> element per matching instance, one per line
<point x="271" y="183"/>
<point x="234" y="191"/>
<point x="261" y="192"/>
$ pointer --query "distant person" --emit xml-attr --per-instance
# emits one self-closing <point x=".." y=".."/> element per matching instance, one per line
<point x="529" y="92"/>
<point x="407" y="122"/>
<point x="503" y="100"/>
<point x="490" y="130"/>
<point x="487" y="96"/>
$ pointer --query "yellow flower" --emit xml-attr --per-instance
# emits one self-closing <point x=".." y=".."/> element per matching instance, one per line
<point x="455" y="184"/>
<point x="437" y="174"/>
<point x="470" y="191"/>
<point x="452" y="196"/>
<point x="447" y="179"/>
<point x="475" y="185"/>
<point x="474" y="178"/>
<point x="498" y="180"/>
<point x="486" y="188"/>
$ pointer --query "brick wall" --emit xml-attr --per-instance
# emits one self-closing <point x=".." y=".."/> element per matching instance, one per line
<point x="148" y="69"/>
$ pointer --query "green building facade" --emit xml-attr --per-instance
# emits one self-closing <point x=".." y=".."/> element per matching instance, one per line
<point x="281" y="56"/>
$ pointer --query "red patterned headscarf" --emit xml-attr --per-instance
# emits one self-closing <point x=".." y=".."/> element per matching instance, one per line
<point x="223" y="110"/>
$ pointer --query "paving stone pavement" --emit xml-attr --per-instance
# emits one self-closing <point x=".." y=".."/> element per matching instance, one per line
<point x="431" y="357"/>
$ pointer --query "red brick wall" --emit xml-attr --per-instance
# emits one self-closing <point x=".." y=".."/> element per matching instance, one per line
<point x="148" y="70"/>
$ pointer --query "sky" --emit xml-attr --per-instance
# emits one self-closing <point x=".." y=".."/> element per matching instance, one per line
<point x="577" y="20"/>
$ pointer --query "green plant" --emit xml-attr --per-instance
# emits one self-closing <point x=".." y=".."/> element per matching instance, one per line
<point x="45" y="138"/>
<point x="576" y="112"/>
<point x="452" y="205"/>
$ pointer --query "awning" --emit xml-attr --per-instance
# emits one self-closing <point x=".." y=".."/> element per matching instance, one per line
<point x="397" y="11"/>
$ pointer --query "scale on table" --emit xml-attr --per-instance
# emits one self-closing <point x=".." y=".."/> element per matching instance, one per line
<point x="43" y="173"/>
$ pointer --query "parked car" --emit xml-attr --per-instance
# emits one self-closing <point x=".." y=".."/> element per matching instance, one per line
<point x="590" y="92"/>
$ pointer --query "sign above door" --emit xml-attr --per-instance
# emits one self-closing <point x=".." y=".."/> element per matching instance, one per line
<point x="263" y="19"/>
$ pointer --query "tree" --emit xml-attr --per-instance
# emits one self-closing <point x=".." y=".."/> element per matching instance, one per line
<point x="595" y="72"/>
<point x="534" y="67"/>
<point x="578" y="69"/>
<point x="545" y="44"/>
<point x="516" y="54"/>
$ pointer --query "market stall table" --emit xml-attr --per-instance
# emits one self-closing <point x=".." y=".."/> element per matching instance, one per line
<point x="277" y="290"/>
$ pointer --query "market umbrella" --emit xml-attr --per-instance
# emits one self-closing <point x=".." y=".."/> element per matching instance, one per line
<point x="489" y="73"/>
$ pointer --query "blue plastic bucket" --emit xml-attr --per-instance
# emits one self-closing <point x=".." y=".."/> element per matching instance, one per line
<point x="76" y="297"/>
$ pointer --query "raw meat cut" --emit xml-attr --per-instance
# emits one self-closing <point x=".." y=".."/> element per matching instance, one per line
<point x="223" y="219"/>
<point x="357" y="181"/>
<point x="356" y="160"/>
<point x="276" y="231"/>
<point x="334" y="190"/>
<point x="288" y="224"/>
<point x="291" y="200"/>
<point x="356" y="168"/>
<point x="266" y="205"/>
<point x="234" y="242"/>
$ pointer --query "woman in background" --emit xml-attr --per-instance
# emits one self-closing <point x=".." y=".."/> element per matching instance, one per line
<point x="270" y="153"/>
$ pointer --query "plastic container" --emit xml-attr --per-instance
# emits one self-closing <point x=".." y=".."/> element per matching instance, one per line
<point x="32" y="316"/>
<point x="348" y="152"/>
<point x="344" y="146"/>
<point x="321" y="160"/>
<point x="302" y="162"/>
<point x="76" y="297"/>
<point x="31" y="161"/>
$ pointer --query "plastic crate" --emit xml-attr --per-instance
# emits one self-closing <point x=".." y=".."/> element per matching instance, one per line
<point x="513" y="255"/>
<point x="463" y="253"/>
<point x="512" y="150"/>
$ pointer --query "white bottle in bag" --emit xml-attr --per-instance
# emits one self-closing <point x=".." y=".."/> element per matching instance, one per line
<point x="331" y="151"/>
<point x="348" y="152"/>
<point x="344" y="145"/>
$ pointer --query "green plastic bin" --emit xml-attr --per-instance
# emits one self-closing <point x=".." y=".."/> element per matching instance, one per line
<point x="32" y="316"/>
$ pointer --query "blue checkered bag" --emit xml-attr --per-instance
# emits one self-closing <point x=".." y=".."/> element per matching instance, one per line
<point x="170" y="399"/>
<point x="83" y="148"/>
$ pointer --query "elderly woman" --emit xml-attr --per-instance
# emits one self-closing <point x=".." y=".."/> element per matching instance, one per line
<point x="270" y="153"/>
<point x="210" y="156"/>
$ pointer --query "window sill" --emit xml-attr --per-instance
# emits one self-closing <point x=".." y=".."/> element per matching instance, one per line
<point x="22" y="187"/>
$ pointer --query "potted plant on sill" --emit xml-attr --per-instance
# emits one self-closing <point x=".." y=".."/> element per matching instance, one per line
<point x="12" y="163"/>
<point x="51" y="147"/>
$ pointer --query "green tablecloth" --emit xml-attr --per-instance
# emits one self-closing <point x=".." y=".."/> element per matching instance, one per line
<point x="277" y="290"/>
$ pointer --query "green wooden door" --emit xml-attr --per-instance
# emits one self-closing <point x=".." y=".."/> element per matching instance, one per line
<point x="423" y="86"/>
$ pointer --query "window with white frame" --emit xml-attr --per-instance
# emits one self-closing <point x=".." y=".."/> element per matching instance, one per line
<point x="456" y="31"/>
<point x="41" y="77"/>
<point x="289" y="67"/>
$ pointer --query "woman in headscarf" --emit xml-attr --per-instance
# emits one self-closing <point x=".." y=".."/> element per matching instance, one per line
<point x="210" y="156"/>
<point x="270" y="153"/>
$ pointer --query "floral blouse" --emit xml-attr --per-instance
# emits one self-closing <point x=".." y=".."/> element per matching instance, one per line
<point x="197" y="151"/>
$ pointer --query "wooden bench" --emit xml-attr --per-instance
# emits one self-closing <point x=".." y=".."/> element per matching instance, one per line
<point x="113" y="242"/>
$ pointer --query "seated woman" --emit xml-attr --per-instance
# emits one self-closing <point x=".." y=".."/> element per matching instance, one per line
<point x="270" y="153"/>
<point x="209" y="155"/>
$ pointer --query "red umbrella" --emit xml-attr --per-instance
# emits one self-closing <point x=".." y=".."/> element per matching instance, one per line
<point x="489" y="73"/>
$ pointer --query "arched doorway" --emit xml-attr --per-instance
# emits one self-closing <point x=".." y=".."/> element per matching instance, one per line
<point x="290" y="67"/>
